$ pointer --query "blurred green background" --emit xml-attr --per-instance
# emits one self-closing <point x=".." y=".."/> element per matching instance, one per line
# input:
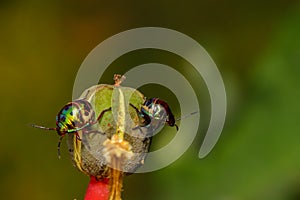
<point x="256" y="46"/>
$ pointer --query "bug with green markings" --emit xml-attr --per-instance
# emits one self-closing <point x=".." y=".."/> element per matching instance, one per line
<point x="126" y="122"/>
<point x="154" y="106"/>
<point x="155" y="113"/>
<point x="75" y="116"/>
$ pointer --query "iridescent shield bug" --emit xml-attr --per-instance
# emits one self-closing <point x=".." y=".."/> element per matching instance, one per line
<point x="75" y="116"/>
<point x="154" y="113"/>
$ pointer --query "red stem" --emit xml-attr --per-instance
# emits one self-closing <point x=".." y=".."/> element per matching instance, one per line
<point x="97" y="189"/>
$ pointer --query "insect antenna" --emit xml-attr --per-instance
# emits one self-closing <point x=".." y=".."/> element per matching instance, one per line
<point x="42" y="127"/>
<point x="187" y="115"/>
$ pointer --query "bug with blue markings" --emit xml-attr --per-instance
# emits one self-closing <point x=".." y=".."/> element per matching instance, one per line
<point x="116" y="151"/>
<point x="155" y="113"/>
<point x="75" y="116"/>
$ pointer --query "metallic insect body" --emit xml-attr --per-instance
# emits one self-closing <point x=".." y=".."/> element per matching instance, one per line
<point x="116" y="151"/>
<point x="155" y="112"/>
<point x="75" y="116"/>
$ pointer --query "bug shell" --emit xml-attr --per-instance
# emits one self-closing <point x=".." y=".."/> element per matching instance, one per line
<point x="92" y="161"/>
<point x="74" y="115"/>
<point x="157" y="114"/>
<point x="155" y="111"/>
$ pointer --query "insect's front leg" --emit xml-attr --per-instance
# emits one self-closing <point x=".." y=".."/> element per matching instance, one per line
<point x="58" y="145"/>
<point x="100" y="116"/>
<point x="146" y="118"/>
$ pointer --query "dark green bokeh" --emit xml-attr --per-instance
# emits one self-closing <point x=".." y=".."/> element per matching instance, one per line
<point x="255" y="45"/>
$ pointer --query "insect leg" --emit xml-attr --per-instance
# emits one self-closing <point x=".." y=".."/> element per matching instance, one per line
<point x="77" y="136"/>
<point x="58" y="145"/>
<point x="135" y="108"/>
<point x="145" y="116"/>
<point x="101" y="115"/>
<point x="176" y="127"/>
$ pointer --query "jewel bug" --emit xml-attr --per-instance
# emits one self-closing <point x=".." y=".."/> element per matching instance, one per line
<point x="155" y="109"/>
<point x="75" y="116"/>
